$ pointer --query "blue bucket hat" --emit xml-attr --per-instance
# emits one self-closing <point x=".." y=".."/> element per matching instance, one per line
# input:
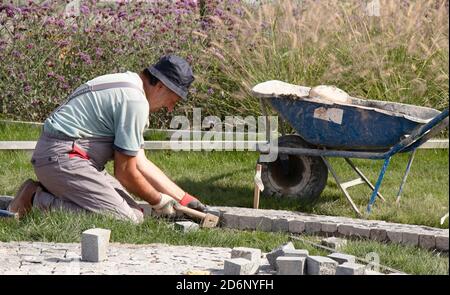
<point x="174" y="72"/>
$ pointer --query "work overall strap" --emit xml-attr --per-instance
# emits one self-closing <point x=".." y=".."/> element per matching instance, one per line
<point x="85" y="88"/>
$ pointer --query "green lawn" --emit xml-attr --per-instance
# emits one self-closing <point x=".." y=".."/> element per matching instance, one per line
<point x="225" y="178"/>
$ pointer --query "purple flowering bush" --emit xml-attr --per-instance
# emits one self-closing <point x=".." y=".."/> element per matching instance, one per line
<point x="49" y="49"/>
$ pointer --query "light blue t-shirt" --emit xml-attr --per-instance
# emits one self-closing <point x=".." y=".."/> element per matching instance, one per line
<point x="121" y="113"/>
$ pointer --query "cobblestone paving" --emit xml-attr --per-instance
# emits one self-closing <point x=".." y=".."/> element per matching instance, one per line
<point x="60" y="258"/>
<point x="297" y="222"/>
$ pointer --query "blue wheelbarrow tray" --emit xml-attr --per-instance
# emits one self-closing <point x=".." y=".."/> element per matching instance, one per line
<point x="358" y="124"/>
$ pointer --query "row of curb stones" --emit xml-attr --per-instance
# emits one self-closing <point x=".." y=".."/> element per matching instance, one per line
<point x="297" y="223"/>
<point x="286" y="260"/>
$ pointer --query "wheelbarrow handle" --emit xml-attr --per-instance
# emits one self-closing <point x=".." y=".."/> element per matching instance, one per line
<point x="419" y="132"/>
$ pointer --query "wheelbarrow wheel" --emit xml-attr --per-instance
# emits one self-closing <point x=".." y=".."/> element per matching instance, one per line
<point x="301" y="177"/>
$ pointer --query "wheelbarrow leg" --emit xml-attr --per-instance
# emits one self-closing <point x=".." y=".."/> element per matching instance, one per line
<point x="378" y="184"/>
<point x="344" y="190"/>
<point x="363" y="177"/>
<point x="408" y="167"/>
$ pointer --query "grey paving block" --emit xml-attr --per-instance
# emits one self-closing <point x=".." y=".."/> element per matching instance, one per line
<point x="273" y="255"/>
<point x="313" y="227"/>
<point x="186" y="226"/>
<point x="427" y="241"/>
<point x="319" y="265"/>
<point x="252" y="254"/>
<point x="280" y="225"/>
<point x="248" y="222"/>
<point x="239" y="266"/>
<point x="379" y="235"/>
<point x="230" y="220"/>
<point x="361" y="232"/>
<point x="295" y="253"/>
<point x="264" y="224"/>
<point x="334" y="243"/>
<point x="342" y="258"/>
<point x="410" y="238"/>
<point x="346" y="230"/>
<point x="291" y="265"/>
<point x="146" y="207"/>
<point x="94" y="244"/>
<point x="329" y="228"/>
<point x="394" y="236"/>
<point x="4" y="202"/>
<point x="442" y="243"/>
<point x="296" y="226"/>
<point x="350" y="268"/>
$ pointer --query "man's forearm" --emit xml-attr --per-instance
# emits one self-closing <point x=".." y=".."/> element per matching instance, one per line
<point x="157" y="178"/>
<point x="138" y="185"/>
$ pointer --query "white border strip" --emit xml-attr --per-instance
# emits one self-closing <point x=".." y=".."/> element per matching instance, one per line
<point x="166" y="145"/>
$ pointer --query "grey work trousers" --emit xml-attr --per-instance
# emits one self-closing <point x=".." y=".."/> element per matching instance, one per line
<point x="77" y="184"/>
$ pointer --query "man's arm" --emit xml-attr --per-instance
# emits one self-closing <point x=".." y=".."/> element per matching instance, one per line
<point x="125" y="170"/>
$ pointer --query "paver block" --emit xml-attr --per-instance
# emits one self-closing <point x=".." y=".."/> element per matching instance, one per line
<point x="313" y="227"/>
<point x="442" y="243"/>
<point x="342" y="258"/>
<point x="296" y="226"/>
<point x="346" y="230"/>
<point x="239" y="266"/>
<point x="350" y="268"/>
<point x="272" y="256"/>
<point x="252" y="254"/>
<point x="265" y="224"/>
<point x="280" y="225"/>
<point x="394" y="236"/>
<point x="295" y="253"/>
<point x="334" y="243"/>
<point x="94" y="244"/>
<point x="230" y="220"/>
<point x="410" y="238"/>
<point x="146" y="208"/>
<point x="329" y="228"/>
<point x="4" y="202"/>
<point x="186" y="226"/>
<point x="378" y="234"/>
<point x="248" y="222"/>
<point x="361" y="231"/>
<point x="319" y="265"/>
<point x="427" y="241"/>
<point x="291" y="265"/>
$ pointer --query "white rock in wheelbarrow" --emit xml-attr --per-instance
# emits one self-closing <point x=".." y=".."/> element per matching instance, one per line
<point x="328" y="92"/>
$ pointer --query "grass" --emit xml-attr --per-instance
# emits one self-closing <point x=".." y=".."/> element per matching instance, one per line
<point x="225" y="178"/>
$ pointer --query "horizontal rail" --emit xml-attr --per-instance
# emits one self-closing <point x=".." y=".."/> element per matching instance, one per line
<point x="167" y="145"/>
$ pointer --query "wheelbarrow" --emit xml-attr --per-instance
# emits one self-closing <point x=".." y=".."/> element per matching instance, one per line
<point x="344" y="128"/>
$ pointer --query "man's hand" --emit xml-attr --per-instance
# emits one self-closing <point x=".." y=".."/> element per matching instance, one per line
<point x="165" y="206"/>
<point x="192" y="202"/>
